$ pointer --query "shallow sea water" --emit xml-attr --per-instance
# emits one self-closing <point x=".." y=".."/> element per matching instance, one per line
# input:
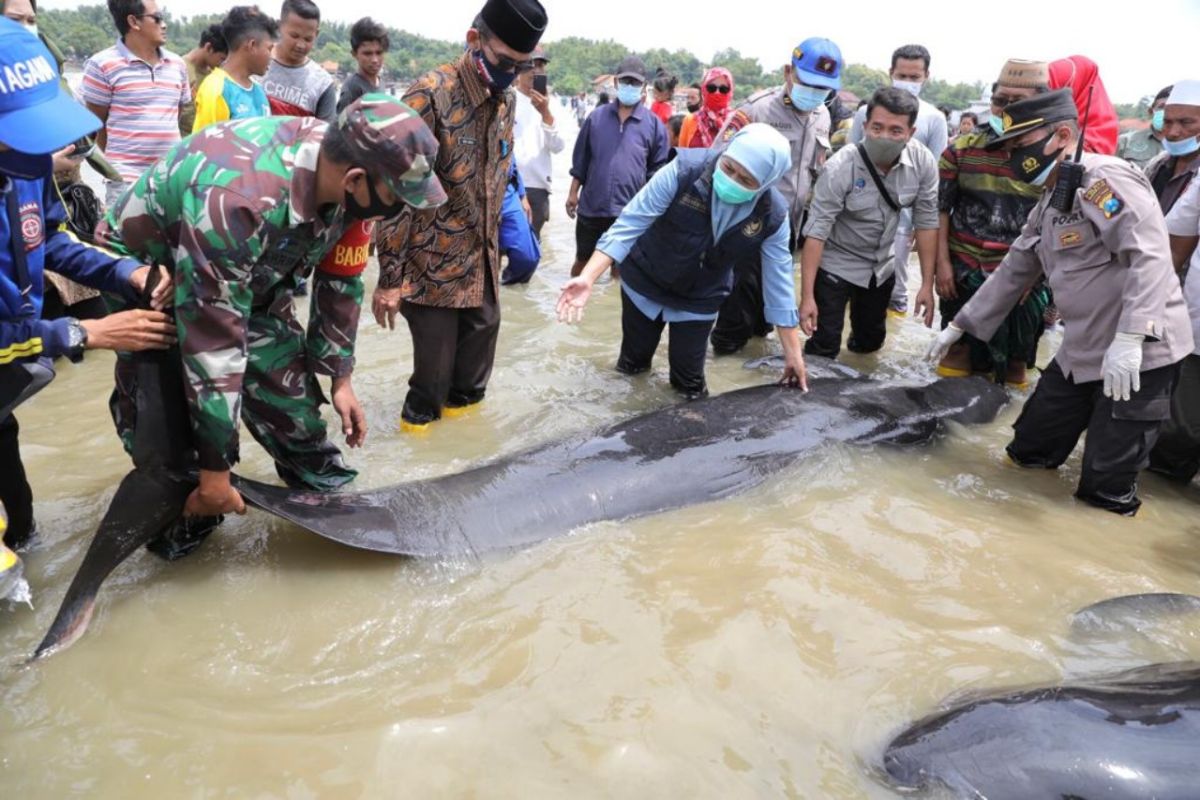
<point x="766" y="645"/>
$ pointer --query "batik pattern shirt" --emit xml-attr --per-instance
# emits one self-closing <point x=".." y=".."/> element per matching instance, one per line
<point x="233" y="212"/>
<point x="440" y="257"/>
<point x="986" y="202"/>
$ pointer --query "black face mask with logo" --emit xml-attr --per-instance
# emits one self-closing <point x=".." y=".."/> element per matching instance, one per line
<point x="1030" y="161"/>
<point x="374" y="209"/>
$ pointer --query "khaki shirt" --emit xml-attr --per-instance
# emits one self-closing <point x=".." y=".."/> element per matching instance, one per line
<point x="1109" y="264"/>
<point x="855" y="222"/>
<point x="806" y="132"/>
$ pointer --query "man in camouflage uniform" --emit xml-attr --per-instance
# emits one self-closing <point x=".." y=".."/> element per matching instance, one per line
<point x="241" y="212"/>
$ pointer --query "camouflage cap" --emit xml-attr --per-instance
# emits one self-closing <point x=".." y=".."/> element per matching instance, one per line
<point x="392" y="142"/>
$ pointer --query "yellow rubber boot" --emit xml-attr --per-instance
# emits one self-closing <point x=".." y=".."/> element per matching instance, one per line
<point x="455" y="412"/>
<point x="414" y="427"/>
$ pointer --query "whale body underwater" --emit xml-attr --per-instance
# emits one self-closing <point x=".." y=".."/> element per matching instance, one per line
<point x="1127" y="736"/>
<point x="666" y="459"/>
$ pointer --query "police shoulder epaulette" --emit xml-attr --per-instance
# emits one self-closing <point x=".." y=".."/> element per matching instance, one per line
<point x="1102" y="196"/>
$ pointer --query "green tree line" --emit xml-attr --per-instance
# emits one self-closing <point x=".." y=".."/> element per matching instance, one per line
<point x="575" y="61"/>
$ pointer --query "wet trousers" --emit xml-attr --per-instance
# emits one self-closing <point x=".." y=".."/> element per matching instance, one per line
<point x="15" y="493"/>
<point x="1120" y="434"/>
<point x="686" y="348"/>
<point x="453" y="353"/>
<point x="1177" y="453"/>
<point x="868" y="315"/>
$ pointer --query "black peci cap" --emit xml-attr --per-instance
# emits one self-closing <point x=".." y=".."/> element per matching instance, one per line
<point x="518" y="23"/>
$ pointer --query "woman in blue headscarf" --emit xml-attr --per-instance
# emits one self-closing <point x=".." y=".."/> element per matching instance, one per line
<point x="678" y="241"/>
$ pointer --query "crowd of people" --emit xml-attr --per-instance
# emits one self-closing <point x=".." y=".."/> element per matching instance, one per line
<point x="239" y="176"/>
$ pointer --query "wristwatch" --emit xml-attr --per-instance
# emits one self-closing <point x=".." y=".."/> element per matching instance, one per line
<point x="76" y="340"/>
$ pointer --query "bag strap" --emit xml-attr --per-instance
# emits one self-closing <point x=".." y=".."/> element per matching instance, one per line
<point x="887" y="196"/>
<point x="20" y="257"/>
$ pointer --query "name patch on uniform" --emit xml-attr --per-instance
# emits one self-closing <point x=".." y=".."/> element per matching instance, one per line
<point x="32" y="230"/>
<point x="1104" y="198"/>
<point x="694" y="202"/>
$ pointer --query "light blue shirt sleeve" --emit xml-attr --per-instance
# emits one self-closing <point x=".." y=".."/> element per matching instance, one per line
<point x="779" y="279"/>
<point x="858" y="127"/>
<point x="640" y="213"/>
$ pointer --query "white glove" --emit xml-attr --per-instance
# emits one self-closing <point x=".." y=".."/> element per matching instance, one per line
<point x="944" y="341"/>
<point x="1122" y="366"/>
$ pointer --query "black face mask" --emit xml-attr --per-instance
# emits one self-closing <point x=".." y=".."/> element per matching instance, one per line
<point x="1029" y="162"/>
<point x="375" y="209"/>
<point x="498" y="79"/>
<point x="693" y="107"/>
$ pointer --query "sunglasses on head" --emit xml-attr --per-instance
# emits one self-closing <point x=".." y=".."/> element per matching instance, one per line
<point x="712" y="87"/>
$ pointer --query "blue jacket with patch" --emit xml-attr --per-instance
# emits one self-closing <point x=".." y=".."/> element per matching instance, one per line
<point x="36" y="222"/>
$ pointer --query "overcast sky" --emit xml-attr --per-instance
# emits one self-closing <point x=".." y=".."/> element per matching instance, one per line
<point x="1139" y="47"/>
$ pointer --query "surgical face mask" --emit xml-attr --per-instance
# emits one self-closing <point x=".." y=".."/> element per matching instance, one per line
<point x="806" y="98"/>
<point x="996" y="123"/>
<point x="25" y="166"/>
<point x="31" y="27"/>
<point x="883" y="151"/>
<point x="1030" y="163"/>
<point x="629" y="95"/>
<point x="729" y="190"/>
<point x="373" y="210"/>
<point x="912" y="87"/>
<point x="1158" y="119"/>
<point x="498" y="78"/>
<point x="1182" y="148"/>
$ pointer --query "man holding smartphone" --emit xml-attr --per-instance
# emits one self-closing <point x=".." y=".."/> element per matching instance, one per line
<point x="535" y="138"/>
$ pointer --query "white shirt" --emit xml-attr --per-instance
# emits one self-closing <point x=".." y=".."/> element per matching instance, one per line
<point x="533" y="143"/>
<point x="1184" y="220"/>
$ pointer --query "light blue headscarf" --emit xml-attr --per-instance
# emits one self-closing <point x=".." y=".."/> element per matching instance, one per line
<point x="766" y="155"/>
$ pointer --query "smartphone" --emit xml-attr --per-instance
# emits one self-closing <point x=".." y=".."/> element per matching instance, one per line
<point x="83" y="148"/>
<point x="540" y="85"/>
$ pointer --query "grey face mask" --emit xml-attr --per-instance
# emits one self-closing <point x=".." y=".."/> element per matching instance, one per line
<point x="884" y="152"/>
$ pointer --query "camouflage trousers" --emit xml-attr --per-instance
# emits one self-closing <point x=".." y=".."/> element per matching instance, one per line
<point x="281" y="401"/>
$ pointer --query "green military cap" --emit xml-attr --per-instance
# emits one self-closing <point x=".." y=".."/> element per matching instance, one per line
<point x="1034" y="112"/>
<point x="391" y="141"/>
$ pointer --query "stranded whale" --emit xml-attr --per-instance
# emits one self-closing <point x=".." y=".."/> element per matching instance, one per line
<point x="1125" y="736"/>
<point x="666" y="459"/>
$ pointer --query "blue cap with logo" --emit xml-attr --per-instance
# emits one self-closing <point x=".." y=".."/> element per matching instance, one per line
<point x="818" y="62"/>
<point x="36" y="116"/>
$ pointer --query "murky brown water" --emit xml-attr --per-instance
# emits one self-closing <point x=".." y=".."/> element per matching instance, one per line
<point x="762" y="646"/>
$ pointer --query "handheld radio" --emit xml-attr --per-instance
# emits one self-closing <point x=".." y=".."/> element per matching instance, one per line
<point x="1070" y="173"/>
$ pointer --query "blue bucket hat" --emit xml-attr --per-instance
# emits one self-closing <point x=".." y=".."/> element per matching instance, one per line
<point x="36" y="116"/>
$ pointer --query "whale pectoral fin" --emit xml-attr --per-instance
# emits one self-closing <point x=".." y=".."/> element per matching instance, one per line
<point x="145" y="505"/>
<point x="352" y="519"/>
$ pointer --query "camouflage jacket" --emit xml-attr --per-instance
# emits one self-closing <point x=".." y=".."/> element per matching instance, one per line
<point x="233" y="211"/>
<point x="436" y="256"/>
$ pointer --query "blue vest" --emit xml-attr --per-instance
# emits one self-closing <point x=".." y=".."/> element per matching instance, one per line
<point x="677" y="263"/>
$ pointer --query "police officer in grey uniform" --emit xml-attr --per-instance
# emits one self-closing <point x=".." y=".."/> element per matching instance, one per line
<point x="1108" y="260"/>
<point x="796" y="110"/>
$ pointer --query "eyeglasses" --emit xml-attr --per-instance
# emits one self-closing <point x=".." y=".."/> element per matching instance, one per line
<point x="1002" y="101"/>
<point x="504" y="63"/>
<point x="159" y="19"/>
<point x="712" y="87"/>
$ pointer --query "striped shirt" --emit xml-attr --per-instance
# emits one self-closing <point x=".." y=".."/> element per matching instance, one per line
<point x="143" y="103"/>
